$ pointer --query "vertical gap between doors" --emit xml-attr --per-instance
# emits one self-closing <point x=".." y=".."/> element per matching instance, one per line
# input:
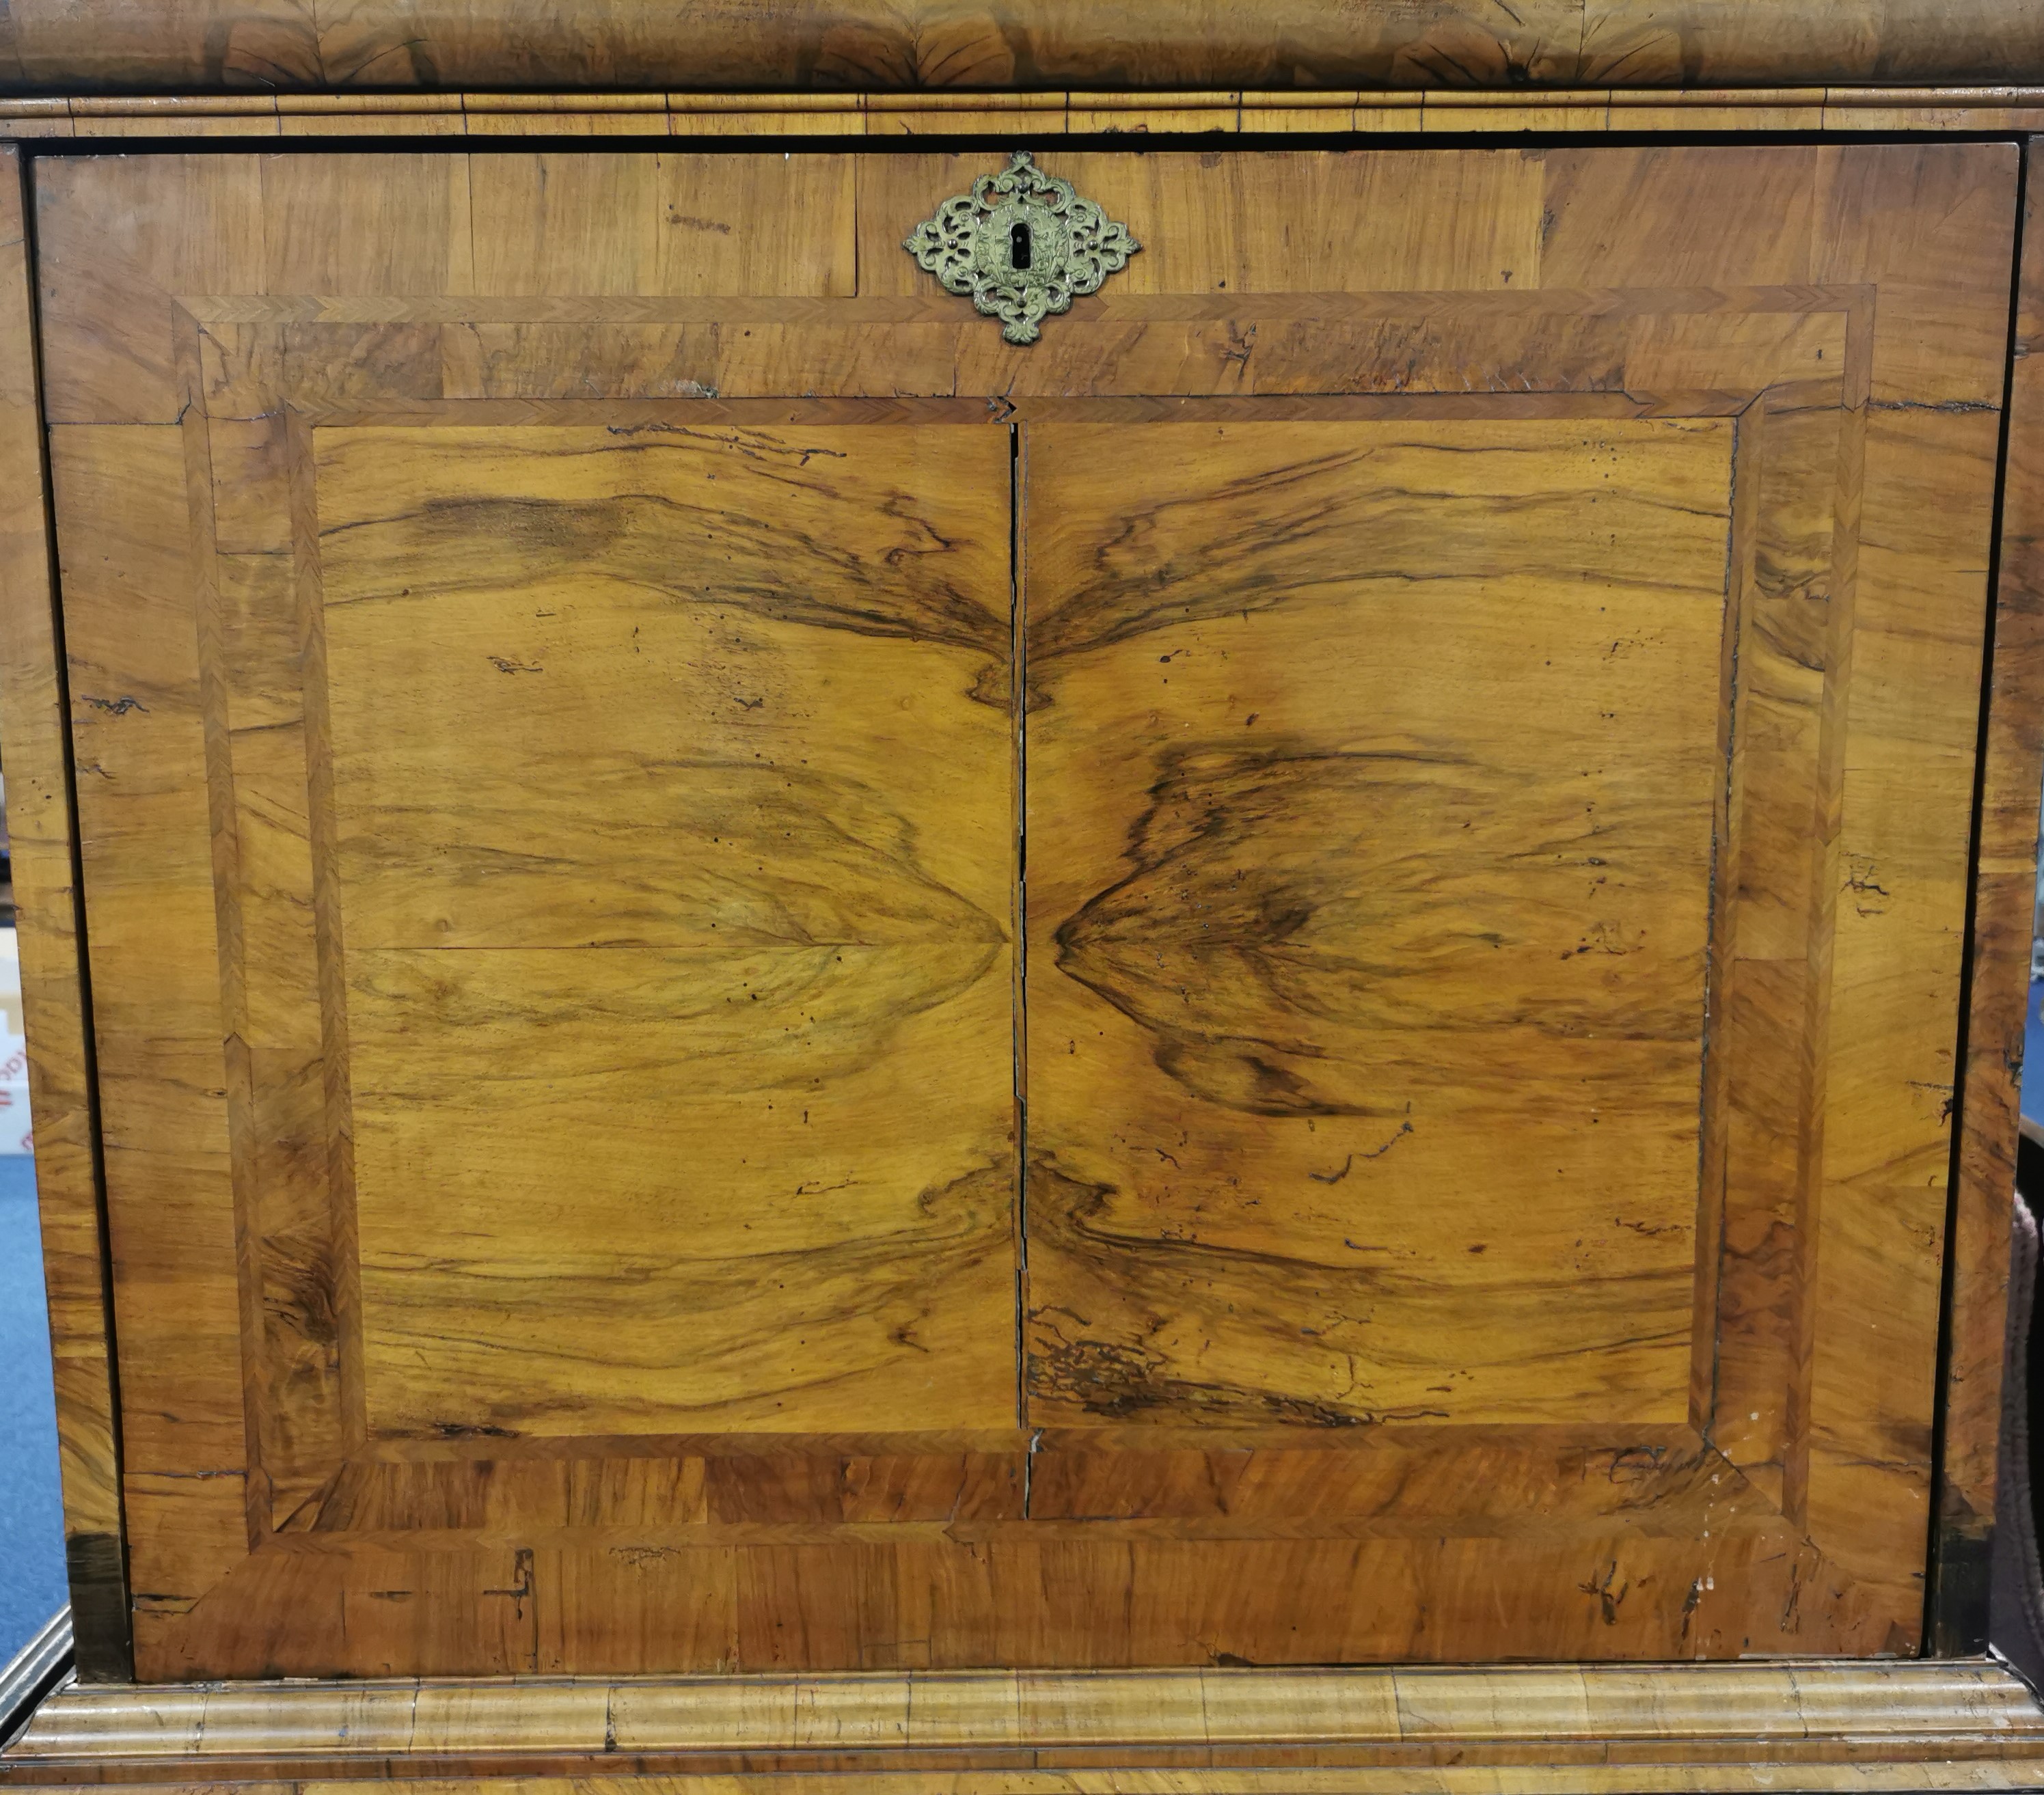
<point x="1018" y="698"/>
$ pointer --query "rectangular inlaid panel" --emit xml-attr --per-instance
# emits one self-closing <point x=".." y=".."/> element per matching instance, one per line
<point x="670" y="786"/>
<point x="1372" y="778"/>
<point x="1487" y="787"/>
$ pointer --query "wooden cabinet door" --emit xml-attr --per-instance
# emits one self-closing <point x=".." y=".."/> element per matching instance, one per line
<point x="1409" y="762"/>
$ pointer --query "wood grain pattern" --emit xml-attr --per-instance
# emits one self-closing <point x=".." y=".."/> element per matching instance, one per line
<point x="1757" y="1149"/>
<point x="117" y="45"/>
<point x="1919" y="604"/>
<point x="105" y="272"/>
<point x="144" y="842"/>
<point x="297" y="1238"/>
<point x="1048" y="113"/>
<point x="761" y="902"/>
<point x="42" y="834"/>
<point x="393" y="840"/>
<point x="1751" y="1772"/>
<point x="1265" y="912"/>
<point x="1816" y="1725"/>
<point x="1989" y="1093"/>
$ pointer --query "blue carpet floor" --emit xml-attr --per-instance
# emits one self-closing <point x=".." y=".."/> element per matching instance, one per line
<point x="32" y="1584"/>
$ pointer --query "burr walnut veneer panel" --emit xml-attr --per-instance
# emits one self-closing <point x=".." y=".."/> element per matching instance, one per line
<point x="675" y="882"/>
<point x="1307" y="691"/>
<point x="777" y="986"/>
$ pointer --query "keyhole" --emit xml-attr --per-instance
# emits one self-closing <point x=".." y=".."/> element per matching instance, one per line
<point x="1018" y="247"/>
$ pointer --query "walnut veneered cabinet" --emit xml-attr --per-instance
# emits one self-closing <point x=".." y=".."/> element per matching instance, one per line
<point x="778" y="985"/>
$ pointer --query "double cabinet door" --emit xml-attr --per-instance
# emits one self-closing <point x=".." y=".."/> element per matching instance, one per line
<point x="779" y="985"/>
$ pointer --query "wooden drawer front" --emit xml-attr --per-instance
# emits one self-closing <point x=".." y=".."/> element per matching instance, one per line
<point x="779" y="985"/>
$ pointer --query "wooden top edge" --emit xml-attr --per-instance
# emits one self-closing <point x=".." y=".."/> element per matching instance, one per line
<point x="287" y="103"/>
<point x="138" y="46"/>
<point x="976" y="112"/>
<point x="1932" y="1703"/>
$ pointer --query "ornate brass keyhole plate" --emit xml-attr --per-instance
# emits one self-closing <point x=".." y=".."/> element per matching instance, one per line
<point x="1023" y="244"/>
